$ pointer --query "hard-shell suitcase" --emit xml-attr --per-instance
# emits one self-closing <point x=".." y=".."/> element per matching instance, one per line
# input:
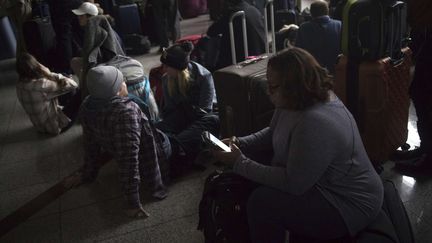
<point x="155" y="77"/>
<point x="372" y="29"/>
<point x="127" y="19"/>
<point x="242" y="97"/>
<point x="40" y="9"/>
<point x="376" y="93"/>
<point x="148" y="23"/>
<point x="243" y="101"/>
<point x="40" y="39"/>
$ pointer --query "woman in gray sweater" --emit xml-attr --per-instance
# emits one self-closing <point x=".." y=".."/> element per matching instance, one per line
<point x="319" y="182"/>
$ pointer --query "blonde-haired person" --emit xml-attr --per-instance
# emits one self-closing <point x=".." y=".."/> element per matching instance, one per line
<point x="319" y="183"/>
<point x="189" y="94"/>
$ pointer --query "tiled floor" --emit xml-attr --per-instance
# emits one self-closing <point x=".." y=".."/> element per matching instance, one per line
<point x="30" y="163"/>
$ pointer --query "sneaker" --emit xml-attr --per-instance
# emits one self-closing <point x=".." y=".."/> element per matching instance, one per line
<point x="160" y="194"/>
<point x="422" y="164"/>
<point x="406" y="155"/>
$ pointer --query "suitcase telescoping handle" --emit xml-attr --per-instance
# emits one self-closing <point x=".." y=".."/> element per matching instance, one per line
<point x="270" y="3"/>
<point x="231" y="30"/>
<point x="395" y="36"/>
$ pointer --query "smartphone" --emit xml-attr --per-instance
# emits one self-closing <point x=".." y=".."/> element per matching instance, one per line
<point x="215" y="142"/>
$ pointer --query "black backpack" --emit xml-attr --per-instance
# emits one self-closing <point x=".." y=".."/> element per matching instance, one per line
<point x="222" y="210"/>
<point x="136" y="44"/>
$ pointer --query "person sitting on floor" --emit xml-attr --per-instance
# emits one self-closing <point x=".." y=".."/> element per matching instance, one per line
<point x="138" y="84"/>
<point x="100" y="42"/>
<point x="188" y="94"/>
<point x="319" y="183"/>
<point x="114" y="124"/>
<point x="43" y="93"/>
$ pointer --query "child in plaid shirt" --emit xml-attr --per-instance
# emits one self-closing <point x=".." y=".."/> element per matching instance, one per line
<point x="113" y="123"/>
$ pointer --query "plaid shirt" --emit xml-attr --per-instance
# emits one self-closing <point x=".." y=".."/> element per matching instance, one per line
<point x="120" y="128"/>
<point x="38" y="97"/>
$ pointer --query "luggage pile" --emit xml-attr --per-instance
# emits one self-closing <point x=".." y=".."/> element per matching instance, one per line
<point x="372" y="76"/>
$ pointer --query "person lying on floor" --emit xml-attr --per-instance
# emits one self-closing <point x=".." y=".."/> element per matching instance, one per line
<point x="112" y="123"/>
<point x="188" y="94"/>
<point x="51" y="100"/>
<point x="319" y="182"/>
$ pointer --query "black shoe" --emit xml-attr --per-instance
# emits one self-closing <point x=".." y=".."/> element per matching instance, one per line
<point x="406" y="155"/>
<point x="422" y="164"/>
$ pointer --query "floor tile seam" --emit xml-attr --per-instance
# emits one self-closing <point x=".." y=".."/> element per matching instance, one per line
<point x="7" y="130"/>
<point x="89" y="204"/>
<point x="35" y="217"/>
<point x="51" y="183"/>
<point x="31" y="159"/>
<point x="427" y="221"/>
<point x="144" y="228"/>
<point x="81" y="206"/>
<point x="25" y="186"/>
<point x="60" y="221"/>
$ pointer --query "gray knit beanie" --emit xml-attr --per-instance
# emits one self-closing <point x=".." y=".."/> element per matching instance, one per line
<point x="104" y="82"/>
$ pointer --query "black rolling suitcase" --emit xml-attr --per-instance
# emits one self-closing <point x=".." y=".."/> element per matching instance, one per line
<point x="241" y="88"/>
<point x="244" y="105"/>
<point x="148" y="24"/>
<point x="128" y="24"/>
<point x="40" y="39"/>
<point x="127" y="19"/>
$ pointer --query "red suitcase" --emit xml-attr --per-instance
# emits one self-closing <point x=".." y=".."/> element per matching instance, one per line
<point x="379" y="101"/>
<point x="155" y="78"/>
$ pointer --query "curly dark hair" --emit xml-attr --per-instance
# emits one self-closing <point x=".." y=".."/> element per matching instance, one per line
<point x="303" y="82"/>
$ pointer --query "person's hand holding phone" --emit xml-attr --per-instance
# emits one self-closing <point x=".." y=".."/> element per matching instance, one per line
<point x="228" y="158"/>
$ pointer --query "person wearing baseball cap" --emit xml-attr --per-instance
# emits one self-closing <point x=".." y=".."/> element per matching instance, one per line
<point x="189" y="94"/>
<point x="85" y="11"/>
<point x="114" y="124"/>
<point x="101" y="43"/>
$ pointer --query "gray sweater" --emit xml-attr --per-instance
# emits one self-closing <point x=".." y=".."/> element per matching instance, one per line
<point x="318" y="147"/>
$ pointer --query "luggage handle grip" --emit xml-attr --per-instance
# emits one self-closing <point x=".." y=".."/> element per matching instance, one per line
<point x="396" y="7"/>
<point x="231" y="31"/>
<point x="271" y="4"/>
